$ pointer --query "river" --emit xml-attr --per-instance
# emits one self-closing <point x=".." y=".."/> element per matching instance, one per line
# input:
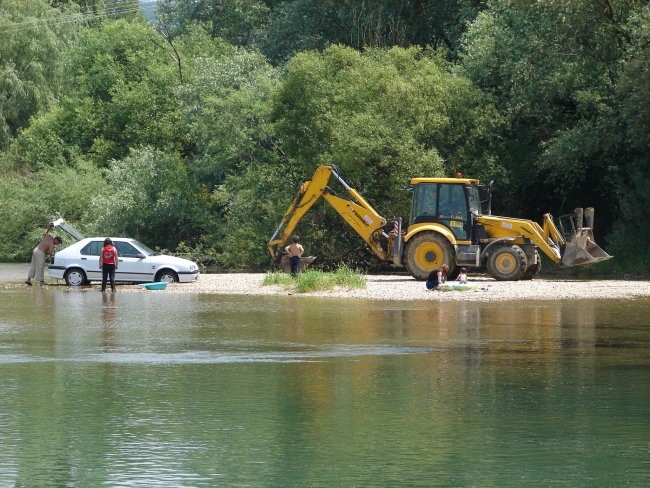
<point x="196" y="390"/>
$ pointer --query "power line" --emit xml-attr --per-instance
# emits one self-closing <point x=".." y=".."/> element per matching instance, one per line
<point x="75" y="18"/>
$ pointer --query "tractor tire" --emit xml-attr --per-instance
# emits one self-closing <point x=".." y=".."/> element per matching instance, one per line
<point x="507" y="263"/>
<point x="427" y="251"/>
<point x="533" y="268"/>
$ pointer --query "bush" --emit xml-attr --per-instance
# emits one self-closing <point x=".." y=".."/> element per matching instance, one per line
<point x="314" y="280"/>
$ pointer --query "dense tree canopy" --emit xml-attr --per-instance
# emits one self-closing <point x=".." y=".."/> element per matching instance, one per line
<point x="196" y="131"/>
<point x="33" y="36"/>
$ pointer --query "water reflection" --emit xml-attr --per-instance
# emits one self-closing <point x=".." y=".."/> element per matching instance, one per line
<point x="176" y="390"/>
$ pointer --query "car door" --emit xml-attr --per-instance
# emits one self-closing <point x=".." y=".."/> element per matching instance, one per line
<point x="133" y="264"/>
<point x="89" y="259"/>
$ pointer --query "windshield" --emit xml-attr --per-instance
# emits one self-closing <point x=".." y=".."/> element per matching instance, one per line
<point x="145" y="250"/>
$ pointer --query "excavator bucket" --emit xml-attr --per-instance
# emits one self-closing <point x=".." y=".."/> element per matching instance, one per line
<point x="580" y="246"/>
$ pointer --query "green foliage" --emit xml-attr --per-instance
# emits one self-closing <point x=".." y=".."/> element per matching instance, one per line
<point x="204" y="143"/>
<point x="301" y="25"/>
<point x="549" y="67"/>
<point x="396" y="113"/>
<point x="151" y="196"/>
<point x="282" y="28"/>
<point x="633" y="142"/>
<point x="251" y="207"/>
<point x="226" y="106"/>
<point x="33" y="38"/>
<point x="27" y="204"/>
<point x="236" y="21"/>
<point x="124" y="78"/>
<point x="314" y="280"/>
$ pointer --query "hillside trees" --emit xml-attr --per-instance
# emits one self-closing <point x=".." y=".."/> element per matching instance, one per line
<point x="631" y="144"/>
<point x="547" y="98"/>
<point x="554" y="71"/>
<point x="282" y="28"/>
<point x="33" y="36"/>
<point x="164" y="137"/>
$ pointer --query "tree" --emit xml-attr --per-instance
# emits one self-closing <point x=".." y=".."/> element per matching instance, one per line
<point x="33" y="37"/>
<point x="226" y="106"/>
<point x="235" y="21"/>
<point x="281" y="28"/>
<point x="121" y="94"/>
<point x="551" y="69"/>
<point x="29" y="202"/>
<point x="631" y="144"/>
<point x="150" y="195"/>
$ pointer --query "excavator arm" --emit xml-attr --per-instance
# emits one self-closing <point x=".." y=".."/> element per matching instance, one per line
<point x="575" y="247"/>
<point x="355" y="210"/>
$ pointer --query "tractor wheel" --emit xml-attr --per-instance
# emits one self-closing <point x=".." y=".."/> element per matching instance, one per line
<point x="507" y="263"/>
<point x="427" y="251"/>
<point x="534" y="268"/>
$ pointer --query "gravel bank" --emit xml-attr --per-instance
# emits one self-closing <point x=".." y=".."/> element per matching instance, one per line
<point x="394" y="287"/>
<point x="397" y="287"/>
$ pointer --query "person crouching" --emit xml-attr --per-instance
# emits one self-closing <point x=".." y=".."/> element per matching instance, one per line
<point x="437" y="277"/>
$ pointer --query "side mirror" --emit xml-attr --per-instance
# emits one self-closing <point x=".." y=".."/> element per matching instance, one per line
<point x="141" y="256"/>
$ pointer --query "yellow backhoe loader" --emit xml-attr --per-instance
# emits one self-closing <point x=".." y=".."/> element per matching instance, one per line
<point x="447" y="225"/>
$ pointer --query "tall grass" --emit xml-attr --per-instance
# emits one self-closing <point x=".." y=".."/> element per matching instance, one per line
<point x="313" y="280"/>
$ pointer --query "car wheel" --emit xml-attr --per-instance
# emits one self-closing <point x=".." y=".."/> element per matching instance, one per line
<point x="75" y="277"/>
<point x="167" y="275"/>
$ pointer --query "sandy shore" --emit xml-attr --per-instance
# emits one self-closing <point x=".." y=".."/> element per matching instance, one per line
<point x="397" y="287"/>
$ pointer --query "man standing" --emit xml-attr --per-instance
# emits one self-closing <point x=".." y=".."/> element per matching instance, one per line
<point x="294" y="250"/>
<point x="37" y="266"/>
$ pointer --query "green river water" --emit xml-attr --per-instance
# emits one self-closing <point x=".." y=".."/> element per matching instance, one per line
<point x="177" y="390"/>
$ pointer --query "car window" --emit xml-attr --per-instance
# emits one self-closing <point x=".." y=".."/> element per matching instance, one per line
<point x="93" y="248"/>
<point x="126" y="250"/>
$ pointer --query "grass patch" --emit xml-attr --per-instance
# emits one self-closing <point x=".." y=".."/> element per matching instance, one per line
<point x="313" y="280"/>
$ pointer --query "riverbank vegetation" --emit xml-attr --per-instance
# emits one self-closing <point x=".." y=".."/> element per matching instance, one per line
<point x="316" y="280"/>
<point x="193" y="132"/>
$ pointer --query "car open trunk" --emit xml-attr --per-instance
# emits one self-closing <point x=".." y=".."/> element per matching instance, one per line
<point x="68" y="229"/>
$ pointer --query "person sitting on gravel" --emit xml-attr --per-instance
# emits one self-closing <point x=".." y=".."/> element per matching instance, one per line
<point x="462" y="276"/>
<point x="437" y="277"/>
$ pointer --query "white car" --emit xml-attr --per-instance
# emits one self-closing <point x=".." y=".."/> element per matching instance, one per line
<point x="78" y="264"/>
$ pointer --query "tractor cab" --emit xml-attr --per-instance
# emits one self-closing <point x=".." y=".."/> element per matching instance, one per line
<point x="450" y="202"/>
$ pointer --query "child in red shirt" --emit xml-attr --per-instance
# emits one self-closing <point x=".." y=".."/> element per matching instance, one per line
<point x="108" y="263"/>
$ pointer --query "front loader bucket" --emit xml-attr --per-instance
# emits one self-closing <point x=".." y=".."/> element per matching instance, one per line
<point x="580" y="246"/>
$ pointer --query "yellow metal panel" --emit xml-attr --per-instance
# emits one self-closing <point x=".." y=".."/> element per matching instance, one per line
<point x="457" y="181"/>
<point x="432" y="227"/>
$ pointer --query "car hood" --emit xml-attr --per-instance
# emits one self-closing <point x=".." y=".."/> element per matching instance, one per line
<point x="171" y="260"/>
<point x="68" y="229"/>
